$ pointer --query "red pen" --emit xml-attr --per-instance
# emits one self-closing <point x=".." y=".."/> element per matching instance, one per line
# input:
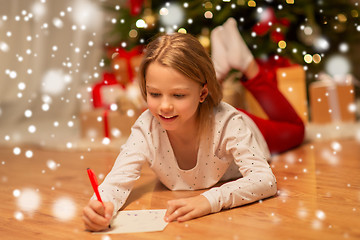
<point x="94" y="184"/>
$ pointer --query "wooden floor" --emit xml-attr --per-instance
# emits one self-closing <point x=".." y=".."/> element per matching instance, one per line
<point x="42" y="197"/>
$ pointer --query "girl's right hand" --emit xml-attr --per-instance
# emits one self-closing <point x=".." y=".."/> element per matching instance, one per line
<point x="97" y="216"/>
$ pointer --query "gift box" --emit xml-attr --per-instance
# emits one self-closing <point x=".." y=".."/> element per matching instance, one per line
<point x="125" y="64"/>
<point x="111" y="94"/>
<point x="331" y="101"/>
<point x="233" y="92"/>
<point x="106" y="92"/>
<point x="99" y="123"/>
<point x="132" y="98"/>
<point x="292" y="84"/>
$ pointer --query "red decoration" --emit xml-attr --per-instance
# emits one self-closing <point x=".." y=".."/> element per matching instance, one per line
<point x="127" y="55"/>
<point x="272" y="64"/>
<point x="270" y="23"/>
<point x="108" y="79"/>
<point x="276" y="36"/>
<point x="135" y="7"/>
<point x="106" y="124"/>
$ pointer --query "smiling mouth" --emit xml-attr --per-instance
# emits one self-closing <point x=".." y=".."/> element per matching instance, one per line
<point x="168" y="117"/>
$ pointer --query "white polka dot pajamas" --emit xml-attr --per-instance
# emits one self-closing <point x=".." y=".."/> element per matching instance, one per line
<point x="233" y="151"/>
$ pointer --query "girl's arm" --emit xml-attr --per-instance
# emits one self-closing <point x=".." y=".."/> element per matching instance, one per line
<point x="243" y="144"/>
<point x="117" y="185"/>
<point x="119" y="182"/>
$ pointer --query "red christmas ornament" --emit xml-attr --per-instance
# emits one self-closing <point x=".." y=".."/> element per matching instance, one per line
<point x="276" y="36"/>
<point x="268" y="19"/>
<point x="135" y="7"/>
<point x="270" y="23"/>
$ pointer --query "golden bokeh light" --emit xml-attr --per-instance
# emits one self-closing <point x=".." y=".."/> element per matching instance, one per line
<point x="251" y="3"/>
<point x="208" y="14"/>
<point x="316" y="58"/>
<point x="205" y="41"/>
<point x="354" y="13"/>
<point x="133" y="33"/>
<point x="342" y="17"/>
<point x="208" y="5"/>
<point x="282" y="44"/>
<point x="182" y="30"/>
<point x="308" y="58"/>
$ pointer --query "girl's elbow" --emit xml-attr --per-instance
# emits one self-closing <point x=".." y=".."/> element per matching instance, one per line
<point x="272" y="188"/>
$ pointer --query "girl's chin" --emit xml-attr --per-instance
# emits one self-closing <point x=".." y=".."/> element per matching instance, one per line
<point x="168" y="124"/>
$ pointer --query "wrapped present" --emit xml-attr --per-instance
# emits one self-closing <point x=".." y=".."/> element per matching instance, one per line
<point x="125" y="64"/>
<point x="114" y="109"/>
<point x="132" y="96"/>
<point x="100" y="95"/>
<point x="125" y="106"/>
<point x="112" y="89"/>
<point x="110" y="95"/>
<point x="233" y="92"/>
<point x="101" y="123"/>
<point x="332" y="101"/>
<point x="291" y="83"/>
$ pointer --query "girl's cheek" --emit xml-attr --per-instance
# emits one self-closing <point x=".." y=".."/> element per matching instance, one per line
<point x="151" y="106"/>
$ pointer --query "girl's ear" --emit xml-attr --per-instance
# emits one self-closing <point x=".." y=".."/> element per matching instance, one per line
<point x="204" y="93"/>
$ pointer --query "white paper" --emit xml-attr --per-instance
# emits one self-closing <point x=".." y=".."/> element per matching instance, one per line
<point x="138" y="221"/>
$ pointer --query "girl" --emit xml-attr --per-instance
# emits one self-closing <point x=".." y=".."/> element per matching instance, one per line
<point x="191" y="139"/>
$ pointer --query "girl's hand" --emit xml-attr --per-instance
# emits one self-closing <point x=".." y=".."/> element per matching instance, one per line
<point x="97" y="216"/>
<point x="185" y="209"/>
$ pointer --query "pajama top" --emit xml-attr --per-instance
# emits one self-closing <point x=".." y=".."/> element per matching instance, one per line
<point x="234" y="150"/>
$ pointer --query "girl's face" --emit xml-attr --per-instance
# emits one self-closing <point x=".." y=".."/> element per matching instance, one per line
<point x="173" y="98"/>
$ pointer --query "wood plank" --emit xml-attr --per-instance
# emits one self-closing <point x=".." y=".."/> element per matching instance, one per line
<point x="318" y="197"/>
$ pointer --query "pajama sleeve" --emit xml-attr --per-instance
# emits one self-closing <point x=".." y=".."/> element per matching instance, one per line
<point x="118" y="184"/>
<point x="240" y="141"/>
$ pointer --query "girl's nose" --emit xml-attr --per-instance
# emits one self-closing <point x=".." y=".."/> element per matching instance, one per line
<point x="166" y="105"/>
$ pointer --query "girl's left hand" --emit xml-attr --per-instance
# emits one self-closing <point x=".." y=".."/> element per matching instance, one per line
<point x="185" y="209"/>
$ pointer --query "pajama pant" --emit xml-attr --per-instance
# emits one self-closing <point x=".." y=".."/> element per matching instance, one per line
<point x="284" y="129"/>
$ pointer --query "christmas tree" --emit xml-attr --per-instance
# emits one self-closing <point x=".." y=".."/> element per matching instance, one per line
<point x="307" y="32"/>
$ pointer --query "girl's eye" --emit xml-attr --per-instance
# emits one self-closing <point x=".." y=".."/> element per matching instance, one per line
<point x="155" y="94"/>
<point x="179" y="95"/>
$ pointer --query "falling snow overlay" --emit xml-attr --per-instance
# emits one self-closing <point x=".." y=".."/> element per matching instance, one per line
<point x="52" y="53"/>
<point x="44" y="67"/>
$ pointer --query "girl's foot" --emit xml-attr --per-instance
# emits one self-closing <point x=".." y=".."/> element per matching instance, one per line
<point x="238" y="54"/>
<point x="219" y="52"/>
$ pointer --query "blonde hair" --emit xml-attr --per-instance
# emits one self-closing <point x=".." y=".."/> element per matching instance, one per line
<point x="184" y="53"/>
